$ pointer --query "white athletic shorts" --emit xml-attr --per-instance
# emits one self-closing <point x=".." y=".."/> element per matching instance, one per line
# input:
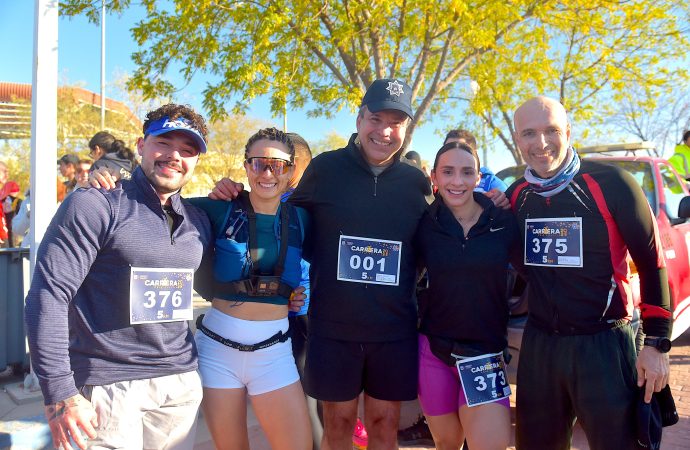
<point x="260" y="371"/>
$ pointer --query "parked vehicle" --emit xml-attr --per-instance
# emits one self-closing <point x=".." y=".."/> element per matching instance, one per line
<point x="669" y="199"/>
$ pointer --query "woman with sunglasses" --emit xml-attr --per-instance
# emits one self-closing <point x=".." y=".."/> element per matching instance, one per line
<point x="243" y="342"/>
<point x="465" y="243"/>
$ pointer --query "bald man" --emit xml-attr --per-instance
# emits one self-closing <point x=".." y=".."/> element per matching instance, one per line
<point x="580" y="219"/>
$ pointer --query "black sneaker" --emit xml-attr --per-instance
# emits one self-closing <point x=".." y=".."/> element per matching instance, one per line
<point x="416" y="434"/>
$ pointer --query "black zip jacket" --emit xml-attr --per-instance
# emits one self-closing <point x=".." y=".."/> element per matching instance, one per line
<point x="343" y="197"/>
<point x="77" y="310"/>
<point x="616" y="220"/>
<point x="467" y="299"/>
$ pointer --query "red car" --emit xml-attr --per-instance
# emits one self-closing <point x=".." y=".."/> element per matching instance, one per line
<point x="669" y="199"/>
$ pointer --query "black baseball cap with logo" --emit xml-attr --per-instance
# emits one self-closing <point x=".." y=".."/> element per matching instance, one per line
<point x="389" y="93"/>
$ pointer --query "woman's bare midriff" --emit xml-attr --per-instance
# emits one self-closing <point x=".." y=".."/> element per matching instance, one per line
<point x="250" y="310"/>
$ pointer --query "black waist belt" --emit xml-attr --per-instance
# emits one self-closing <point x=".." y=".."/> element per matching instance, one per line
<point x="276" y="338"/>
<point x="579" y="330"/>
<point x="258" y="286"/>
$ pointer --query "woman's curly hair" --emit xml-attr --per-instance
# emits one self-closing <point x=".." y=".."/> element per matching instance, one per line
<point x="271" y="134"/>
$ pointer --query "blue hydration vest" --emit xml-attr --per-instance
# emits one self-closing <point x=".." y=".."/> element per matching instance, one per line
<point x="236" y="276"/>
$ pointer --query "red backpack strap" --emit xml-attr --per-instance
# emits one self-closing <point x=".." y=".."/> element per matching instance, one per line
<point x="516" y="193"/>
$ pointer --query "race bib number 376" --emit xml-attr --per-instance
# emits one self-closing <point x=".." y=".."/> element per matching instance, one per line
<point x="553" y="242"/>
<point x="160" y="295"/>
<point x="365" y="260"/>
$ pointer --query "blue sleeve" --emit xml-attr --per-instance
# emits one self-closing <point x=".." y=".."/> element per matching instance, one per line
<point x="69" y="248"/>
<point x="497" y="183"/>
<point x="304" y="281"/>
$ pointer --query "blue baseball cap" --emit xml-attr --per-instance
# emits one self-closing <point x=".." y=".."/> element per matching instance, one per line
<point x="166" y="125"/>
<point x="388" y="93"/>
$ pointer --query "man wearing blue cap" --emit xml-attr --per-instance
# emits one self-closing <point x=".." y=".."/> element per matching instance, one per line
<point x="111" y="296"/>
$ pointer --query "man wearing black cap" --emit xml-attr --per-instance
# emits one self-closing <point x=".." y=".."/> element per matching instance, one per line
<point x="365" y="205"/>
<point x="111" y="296"/>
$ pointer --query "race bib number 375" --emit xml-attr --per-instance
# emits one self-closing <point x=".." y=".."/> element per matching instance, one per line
<point x="365" y="260"/>
<point x="553" y="242"/>
<point x="160" y="295"/>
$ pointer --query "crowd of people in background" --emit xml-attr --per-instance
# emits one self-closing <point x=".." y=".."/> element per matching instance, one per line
<point x="339" y="288"/>
<point x="73" y="172"/>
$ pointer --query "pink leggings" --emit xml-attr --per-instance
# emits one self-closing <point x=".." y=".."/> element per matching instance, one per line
<point x="439" y="386"/>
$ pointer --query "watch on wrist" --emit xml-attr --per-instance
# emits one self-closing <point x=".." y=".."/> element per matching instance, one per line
<point x="663" y="344"/>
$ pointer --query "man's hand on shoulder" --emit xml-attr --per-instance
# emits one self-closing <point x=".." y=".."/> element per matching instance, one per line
<point x="499" y="198"/>
<point x="104" y="178"/>
<point x="652" y="371"/>
<point x="226" y="189"/>
<point x="67" y="418"/>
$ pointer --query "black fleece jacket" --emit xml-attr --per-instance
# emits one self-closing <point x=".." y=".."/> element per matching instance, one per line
<point x="344" y="197"/>
<point x="467" y="298"/>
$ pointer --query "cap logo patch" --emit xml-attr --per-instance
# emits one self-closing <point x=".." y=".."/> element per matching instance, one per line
<point x="395" y="88"/>
<point x="180" y="122"/>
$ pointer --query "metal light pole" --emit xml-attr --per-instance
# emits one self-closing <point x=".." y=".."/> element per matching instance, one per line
<point x="285" y="130"/>
<point x="102" y="64"/>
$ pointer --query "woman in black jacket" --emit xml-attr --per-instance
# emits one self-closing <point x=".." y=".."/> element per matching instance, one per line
<point x="465" y="243"/>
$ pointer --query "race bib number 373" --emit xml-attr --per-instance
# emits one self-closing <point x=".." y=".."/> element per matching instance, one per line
<point x="160" y="295"/>
<point x="365" y="260"/>
<point x="483" y="379"/>
<point x="553" y="242"/>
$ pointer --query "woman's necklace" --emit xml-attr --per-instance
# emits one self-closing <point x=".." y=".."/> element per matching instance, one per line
<point x="469" y="221"/>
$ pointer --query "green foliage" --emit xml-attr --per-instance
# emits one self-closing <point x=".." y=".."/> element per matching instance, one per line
<point x="331" y="141"/>
<point x="225" y="155"/>
<point x="16" y="155"/>
<point x="590" y="55"/>
<point x="77" y="122"/>
<point x="322" y="55"/>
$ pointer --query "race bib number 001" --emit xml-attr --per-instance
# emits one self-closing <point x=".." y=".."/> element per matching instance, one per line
<point x="160" y="295"/>
<point x="553" y="242"/>
<point x="364" y="260"/>
<point x="483" y="379"/>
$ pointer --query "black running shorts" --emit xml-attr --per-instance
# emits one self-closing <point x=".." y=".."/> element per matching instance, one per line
<point x="337" y="371"/>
